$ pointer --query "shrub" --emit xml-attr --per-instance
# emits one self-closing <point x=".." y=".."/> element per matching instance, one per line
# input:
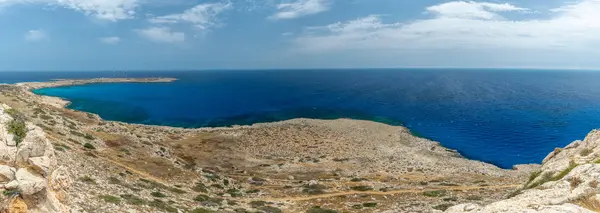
<point x="176" y="190"/>
<point x="574" y="182"/>
<point x="158" y="194"/>
<point x="358" y="179"/>
<point x="361" y="188"/>
<point x="565" y="172"/>
<point x="443" y="207"/>
<point x="159" y="204"/>
<point x="369" y="204"/>
<point x="133" y="200"/>
<point x="474" y="197"/>
<point x="202" y="210"/>
<point x="436" y="193"/>
<point x="111" y="199"/>
<point x="200" y="187"/>
<point x="270" y="209"/>
<point x="87" y="179"/>
<point x="533" y="176"/>
<point x="257" y="203"/>
<point x="89" y="146"/>
<point x="89" y="136"/>
<point x="318" y="209"/>
<point x="585" y="152"/>
<point x="113" y="180"/>
<point x="252" y="191"/>
<point x="201" y="197"/>
<point x="18" y="129"/>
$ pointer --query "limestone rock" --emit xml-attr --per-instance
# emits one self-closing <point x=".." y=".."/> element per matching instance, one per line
<point x="568" y="178"/>
<point x="7" y="173"/>
<point x="27" y="182"/>
<point x="41" y="164"/>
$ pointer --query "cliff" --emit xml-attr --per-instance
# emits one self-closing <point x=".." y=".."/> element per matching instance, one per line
<point x="566" y="182"/>
<point x="30" y="179"/>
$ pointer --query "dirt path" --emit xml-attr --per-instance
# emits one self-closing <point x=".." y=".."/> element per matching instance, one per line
<point x="450" y="188"/>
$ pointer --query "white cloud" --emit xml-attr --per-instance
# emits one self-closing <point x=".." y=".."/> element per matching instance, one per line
<point x="111" y="10"/>
<point x="464" y="26"/>
<point x="203" y="16"/>
<point x="470" y="9"/>
<point x="110" y="40"/>
<point x="162" y="35"/>
<point x="299" y="8"/>
<point x="35" y="35"/>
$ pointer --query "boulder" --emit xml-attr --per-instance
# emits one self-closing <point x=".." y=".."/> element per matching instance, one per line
<point x="7" y="173"/>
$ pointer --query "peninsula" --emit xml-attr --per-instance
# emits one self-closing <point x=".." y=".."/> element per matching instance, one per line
<point x="83" y="163"/>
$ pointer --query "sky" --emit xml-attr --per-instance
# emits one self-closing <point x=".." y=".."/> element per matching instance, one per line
<point x="296" y="34"/>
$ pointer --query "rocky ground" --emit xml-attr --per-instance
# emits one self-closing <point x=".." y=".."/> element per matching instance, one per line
<point x="299" y="165"/>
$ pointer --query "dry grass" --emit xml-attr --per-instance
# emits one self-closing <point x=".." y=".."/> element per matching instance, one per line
<point x="589" y="203"/>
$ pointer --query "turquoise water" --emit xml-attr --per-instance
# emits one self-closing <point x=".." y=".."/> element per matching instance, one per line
<point x="504" y="117"/>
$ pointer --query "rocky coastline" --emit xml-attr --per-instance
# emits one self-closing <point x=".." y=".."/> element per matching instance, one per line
<point x="299" y="165"/>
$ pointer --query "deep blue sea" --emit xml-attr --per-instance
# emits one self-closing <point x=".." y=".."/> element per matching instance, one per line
<point x="504" y="117"/>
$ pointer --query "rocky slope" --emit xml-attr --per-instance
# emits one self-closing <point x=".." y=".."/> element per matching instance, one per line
<point x="30" y="179"/>
<point x="566" y="182"/>
<point x="301" y="165"/>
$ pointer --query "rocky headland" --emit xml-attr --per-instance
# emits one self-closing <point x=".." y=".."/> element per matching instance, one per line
<point x="71" y="161"/>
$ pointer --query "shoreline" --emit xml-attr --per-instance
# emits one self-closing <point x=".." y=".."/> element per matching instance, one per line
<point x="303" y="162"/>
<point x="63" y="103"/>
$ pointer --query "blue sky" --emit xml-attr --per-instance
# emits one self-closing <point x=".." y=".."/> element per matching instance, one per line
<point x="253" y="34"/>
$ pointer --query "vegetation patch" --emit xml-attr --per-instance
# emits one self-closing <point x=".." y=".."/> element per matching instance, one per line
<point x="585" y="152"/>
<point x="318" y="209"/>
<point x="443" y="207"/>
<point x="361" y="188"/>
<point x="369" y="205"/>
<point x="158" y="194"/>
<point x="18" y="129"/>
<point x="270" y="209"/>
<point x="435" y="193"/>
<point x="133" y="200"/>
<point x="200" y="187"/>
<point x="87" y="179"/>
<point x="89" y="146"/>
<point x="111" y="199"/>
<point x="159" y="204"/>
<point x="257" y="203"/>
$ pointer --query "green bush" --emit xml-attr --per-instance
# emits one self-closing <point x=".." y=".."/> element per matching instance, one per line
<point x="369" y="204"/>
<point x="361" y="188"/>
<point x="436" y="193"/>
<point x="443" y="207"/>
<point x="111" y="199"/>
<point x="158" y="194"/>
<point x="89" y="146"/>
<point x="87" y="179"/>
<point x="318" y="209"/>
<point x="159" y="204"/>
<point x="18" y="129"/>
<point x="133" y="200"/>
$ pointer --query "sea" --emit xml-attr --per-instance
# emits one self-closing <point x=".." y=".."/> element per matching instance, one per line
<point x="500" y="116"/>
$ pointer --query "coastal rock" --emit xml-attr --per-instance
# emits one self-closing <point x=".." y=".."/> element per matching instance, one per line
<point x="29" y="170"/>
<point x="567" y="181"/>
<point x="7" y="173"/>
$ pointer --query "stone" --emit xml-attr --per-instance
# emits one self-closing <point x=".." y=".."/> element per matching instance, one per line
<point x="27" y="182"/>
<point x="17" y="205"/>
<point x="41" y="165"/>
<point x="7" y="173"/>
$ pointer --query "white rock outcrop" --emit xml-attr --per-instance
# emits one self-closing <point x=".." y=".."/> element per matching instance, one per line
<point x="28" y="171"/>
<point x="568" y="181"/>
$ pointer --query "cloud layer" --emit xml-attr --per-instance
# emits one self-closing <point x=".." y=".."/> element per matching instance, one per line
<point x="299" y="8"/>
<point x="162" y="35"/>
<point x="464" y="25"/>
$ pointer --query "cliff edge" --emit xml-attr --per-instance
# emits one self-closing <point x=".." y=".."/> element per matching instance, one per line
<point x="566" y="182"/>
<point x="30" y="180"/>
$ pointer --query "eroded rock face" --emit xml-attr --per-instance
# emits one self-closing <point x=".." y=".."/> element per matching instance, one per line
<point x="568" y="181"/>
<point x="28" y="171"/>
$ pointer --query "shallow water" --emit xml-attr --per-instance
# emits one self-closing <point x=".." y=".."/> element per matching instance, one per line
<point x="504" y="117"/>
